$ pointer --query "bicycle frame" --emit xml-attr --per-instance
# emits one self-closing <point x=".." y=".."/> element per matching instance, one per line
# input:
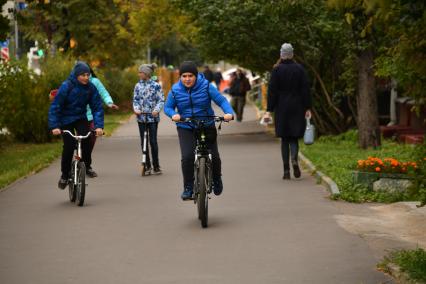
<point x="78" y="155"/>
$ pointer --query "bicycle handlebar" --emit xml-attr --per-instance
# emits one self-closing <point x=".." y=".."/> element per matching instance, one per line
<point x="206" y="118"/>
<point x="77" y="136"/>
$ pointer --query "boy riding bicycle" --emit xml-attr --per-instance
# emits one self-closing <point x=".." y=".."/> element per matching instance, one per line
<point x="192" y="97"/>
<point x="68" y="112"/>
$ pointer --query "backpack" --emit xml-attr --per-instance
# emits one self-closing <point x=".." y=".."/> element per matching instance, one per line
<point x="54" y="92"/>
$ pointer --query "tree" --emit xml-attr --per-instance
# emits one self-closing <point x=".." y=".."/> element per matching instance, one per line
<point x="360" y="18"/>
<point x="4" y="24"/>
<point x="91" y="30"/>
<point x="403" y="56"/>
<point x="250" y="34"/>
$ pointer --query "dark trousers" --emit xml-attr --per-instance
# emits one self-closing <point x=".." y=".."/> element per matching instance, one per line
<point x="152" y="136"/>
<point x="238" y="104"/>
<point x="187" y="148"/>
<point x="92" y="140"/>
<point x="289" y="148"/>
<point x="81" y="127"/>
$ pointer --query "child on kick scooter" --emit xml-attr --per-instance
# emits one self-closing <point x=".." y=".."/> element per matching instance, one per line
<point x="148" y="100"/>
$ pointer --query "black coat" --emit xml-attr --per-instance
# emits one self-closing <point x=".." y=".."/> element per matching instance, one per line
<point x="289" y="98"/>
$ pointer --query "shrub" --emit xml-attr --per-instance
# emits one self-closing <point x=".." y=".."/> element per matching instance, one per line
<point x="25" y="99"/>
<point x="120" y="85"/>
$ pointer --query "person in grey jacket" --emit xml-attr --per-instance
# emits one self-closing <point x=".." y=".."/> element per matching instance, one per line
<point x="290" y="100"/>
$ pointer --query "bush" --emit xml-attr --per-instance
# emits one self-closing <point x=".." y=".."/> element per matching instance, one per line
<point x="120" y="85"/>
<point x="25" y="100"/>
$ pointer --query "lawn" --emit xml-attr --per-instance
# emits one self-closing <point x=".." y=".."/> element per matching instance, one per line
<point x="337" y="157"/>
<point x="22" y="159"/>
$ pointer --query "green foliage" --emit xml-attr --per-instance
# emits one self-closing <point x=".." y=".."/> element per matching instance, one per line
<point x="413" y="262"/>
<point x="337" y="157"/>
<point x="25" y="98"/>
<point x="4" y="24"/>
<point x="250" y="34"/>
<point x="403" y="57"/>
<point x="96" y="27"/>
<point x="120" y="84"/>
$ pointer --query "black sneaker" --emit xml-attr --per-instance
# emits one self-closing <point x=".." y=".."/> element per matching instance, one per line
<point x="62" y="183"/>
<point x="157" y="171"/>
<point x="217" y="186"/>
<point x="91" y="173"/>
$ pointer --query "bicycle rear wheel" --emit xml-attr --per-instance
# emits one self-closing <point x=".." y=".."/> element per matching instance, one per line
<point x="81" y="183"/>
<point x="71" y="186"/>
<point x="202" y="197"/>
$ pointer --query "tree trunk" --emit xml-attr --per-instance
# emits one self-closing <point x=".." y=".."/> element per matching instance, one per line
<point x="368" y="121"/>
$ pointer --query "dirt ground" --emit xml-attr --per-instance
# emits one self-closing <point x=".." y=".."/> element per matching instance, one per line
<point x="385" y="227"/>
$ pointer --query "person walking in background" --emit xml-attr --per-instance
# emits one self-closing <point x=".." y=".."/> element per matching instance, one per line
<point x="208" y="73"/>
<point x="289" y="98"/>
<point x="106" y="98"/>
<point x="148" y="97"/>
<point x="238" y="90"/>
<point x="218" y="78"/>
<point x="193" y="96"/>
<point x="68" y="112"/>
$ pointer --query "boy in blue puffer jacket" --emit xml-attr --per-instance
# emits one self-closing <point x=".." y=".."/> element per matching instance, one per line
<point x="68" y="112"/>
<point x="190" y="97"/>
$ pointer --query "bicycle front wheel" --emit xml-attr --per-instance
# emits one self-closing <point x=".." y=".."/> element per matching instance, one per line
<point x="81" y="183"/>
<point x="71" y="186"/>
<point x="202" y="198"/>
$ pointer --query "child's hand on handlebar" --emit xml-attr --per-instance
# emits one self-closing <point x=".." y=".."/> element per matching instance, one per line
<point x="137" y="112"/>
<point x="176" y="117"/>
<point x="155" y="113"/>
<point x="56" y="131"/>
<point x="99" y="131"/>
<point x="228" y="117"/>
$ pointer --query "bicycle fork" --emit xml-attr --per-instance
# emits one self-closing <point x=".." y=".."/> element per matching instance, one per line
<point x="77" y="158"/>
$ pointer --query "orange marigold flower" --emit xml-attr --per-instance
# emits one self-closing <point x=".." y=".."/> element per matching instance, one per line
<point x="378" y="169"/>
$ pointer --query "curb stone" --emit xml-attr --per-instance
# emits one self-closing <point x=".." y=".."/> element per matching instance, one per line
<point x="321" y="177"/>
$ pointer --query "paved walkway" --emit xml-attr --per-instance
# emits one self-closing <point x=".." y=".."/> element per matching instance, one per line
<point x="136" y="230"/>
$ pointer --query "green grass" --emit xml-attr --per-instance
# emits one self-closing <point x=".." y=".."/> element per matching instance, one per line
<point x="18" y="159"/>
<point x="337" y="157"/>
<point x="112" y="121"/>
<point x="412" y="262"/>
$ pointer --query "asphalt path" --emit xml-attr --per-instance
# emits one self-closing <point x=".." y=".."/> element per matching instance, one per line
<point x="135" y="229"/>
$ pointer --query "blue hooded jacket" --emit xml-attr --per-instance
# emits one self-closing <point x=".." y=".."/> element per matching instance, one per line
<point x="70" y="103"/>
<point x="194" y="101"/>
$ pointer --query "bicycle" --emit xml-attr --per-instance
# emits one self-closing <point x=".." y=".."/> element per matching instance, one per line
<point x="145" y="171"/>
<point x="77" y="179"/>
<point x="202" y="165"/>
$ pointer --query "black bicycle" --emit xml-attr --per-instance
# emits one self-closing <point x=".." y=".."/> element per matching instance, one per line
<point x="77" y="179"/>
<point x="202" y="165"/>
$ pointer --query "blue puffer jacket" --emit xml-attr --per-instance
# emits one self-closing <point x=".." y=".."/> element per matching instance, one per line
<point x="71" y="101"/>
<point x="194" y="101"/>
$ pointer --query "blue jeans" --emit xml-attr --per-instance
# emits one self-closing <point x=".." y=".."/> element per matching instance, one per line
<point x="152" y="137"/>
<point x="289" y="147"/>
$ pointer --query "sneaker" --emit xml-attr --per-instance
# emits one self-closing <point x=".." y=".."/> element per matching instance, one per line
<point x="91" y="173"/>
<point x="187" y="193"/>
<point x="217" y="186"/>
<point x="147" y="171"/>
<point x="62" y="183"/>
<point x="157" y="171"/>
<point x="296" y="170"/>
<point x="286" y="174"/>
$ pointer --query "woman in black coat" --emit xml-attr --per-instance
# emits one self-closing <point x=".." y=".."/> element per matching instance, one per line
<point x="290" y="100"/>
